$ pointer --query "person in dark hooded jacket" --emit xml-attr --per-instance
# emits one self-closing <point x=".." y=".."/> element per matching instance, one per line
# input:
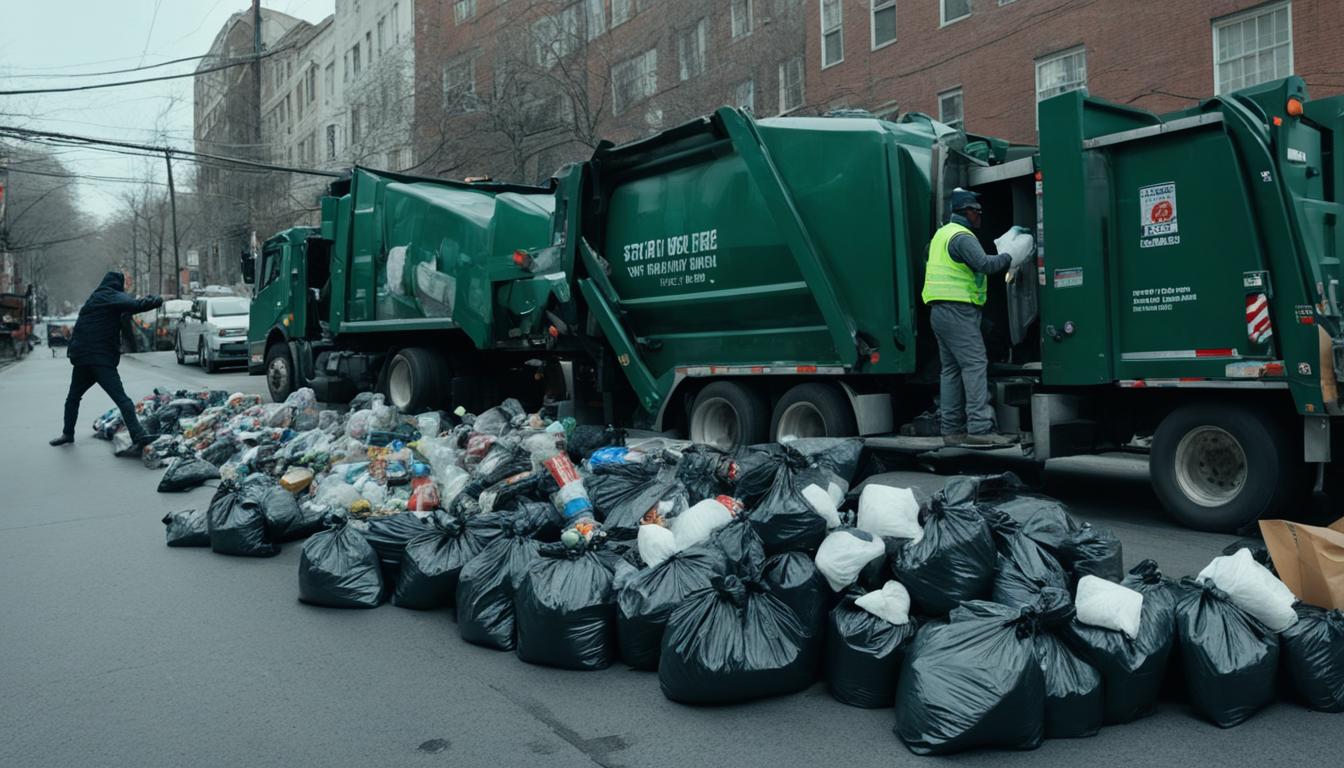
<point x="95" y="350"/>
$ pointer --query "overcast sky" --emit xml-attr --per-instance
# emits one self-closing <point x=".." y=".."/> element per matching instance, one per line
<point x="64" y="37"/>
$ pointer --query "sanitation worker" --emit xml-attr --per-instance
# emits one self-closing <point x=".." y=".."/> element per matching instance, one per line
<point x="95" y="350"/>
<point x="954" y="288"/>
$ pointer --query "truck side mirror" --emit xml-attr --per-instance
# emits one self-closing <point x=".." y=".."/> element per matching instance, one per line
<point x="248" y="266"/>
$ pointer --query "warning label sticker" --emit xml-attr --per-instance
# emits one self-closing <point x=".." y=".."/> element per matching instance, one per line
<point x="1069" y="278"/>
<point x="1157" y="215"/>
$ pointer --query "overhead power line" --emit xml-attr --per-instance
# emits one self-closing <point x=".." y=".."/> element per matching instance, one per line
<point x="56" y="75"/>
<point x="95" y="86"/>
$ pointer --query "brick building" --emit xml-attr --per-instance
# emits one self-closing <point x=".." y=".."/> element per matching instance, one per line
<point x="516" y="88"/>
<point x="989" y="61"/>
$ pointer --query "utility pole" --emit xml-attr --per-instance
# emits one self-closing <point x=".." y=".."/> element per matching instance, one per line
<point x="256" y="72"/>
<point x="172" y="204"/>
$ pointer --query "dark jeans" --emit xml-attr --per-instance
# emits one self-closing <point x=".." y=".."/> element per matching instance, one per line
<point x="964" y="399"/>
<point x="85" y="376"/>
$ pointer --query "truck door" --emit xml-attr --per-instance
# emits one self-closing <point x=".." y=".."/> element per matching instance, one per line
<point x="273" y="294"/>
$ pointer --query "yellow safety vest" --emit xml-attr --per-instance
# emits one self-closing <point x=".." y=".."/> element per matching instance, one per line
<point x="945" y="278"/>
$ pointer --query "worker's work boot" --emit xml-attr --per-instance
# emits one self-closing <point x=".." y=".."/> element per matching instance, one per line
<point x="953" y="440"/>
<point x="64" y="439"/>
<point x="989" y="440"/>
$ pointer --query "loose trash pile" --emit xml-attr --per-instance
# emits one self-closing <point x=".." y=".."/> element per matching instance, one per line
<point x="987" y="616"/>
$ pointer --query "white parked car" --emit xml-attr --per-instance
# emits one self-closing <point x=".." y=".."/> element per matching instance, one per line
<point x="215" y="330"/>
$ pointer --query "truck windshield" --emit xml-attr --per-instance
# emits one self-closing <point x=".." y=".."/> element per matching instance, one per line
<point x="228" y="307"/>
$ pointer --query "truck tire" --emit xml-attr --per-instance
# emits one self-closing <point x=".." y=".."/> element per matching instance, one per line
<point x="816" y="409"/>
<point x="727" y="415"/>
<point x="415" y="379"/>
<point x="1221" y="467"/>
<point x="279" y="371"/>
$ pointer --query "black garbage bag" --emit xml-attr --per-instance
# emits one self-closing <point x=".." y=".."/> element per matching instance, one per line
<point x="389" y="536"/>
<point x="287" y="520"/>
<point x="863" y="654"/>
<point x="1132" y="670"/>
<point x="511" y="492"/>
<point x="237" y="525"/>
<point x="339" y="569"/>
<point x="1024" y="569"/>
<point x="794" y="579"/>
<point x="587" y="438"/>
<point x="1074" y="704"/>
<point x="1092" y="551"/>
<point x="623" y="493"/>
<point x="742" y="549"/>
<point x="838" y="455"/>
<point x="434" y="560"/>
<point x="756" y="467"/>
<point x="733" y="642"/>
<point x="1313" y="657"/>
<point x="219" y="452"/>
<point x="977" y="681"/>
<point x="187" y="528"/>
<point x="1259" y="551"/>
<point x="1229" y="657"/>
<point x="487" y="583"/>
<point x="186" y="473"/>
<point x="566" y="609"/>
<point x="783" y="518"/>
<point x="1161" y="595"/>
<point x="646" y="600"/>
<point x="955" y="560"/>
<point x="707" y="472"/>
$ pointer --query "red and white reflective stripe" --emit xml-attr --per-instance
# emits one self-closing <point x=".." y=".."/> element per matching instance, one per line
<point x="1179" y="354"/>
<point x="1197" y="382"/>
<point x="1258" y="328"/>
<point x="695" y="371"/>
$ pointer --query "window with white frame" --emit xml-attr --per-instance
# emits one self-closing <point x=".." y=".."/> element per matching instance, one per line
<point x="953" y="10"/>
<point x="634" y="80"/>
<point x="744" y="95"/>
<point x="595" y="17"/>
<point x="1060" y="73"/>
<point x="621" y="11"/>
<point x="883" y="22"/>
<point x="832" y="33"/>
<point x="692" y="47"/>
<point x="1253" y="47"/>
<point x="791" y="84"/>
<point x="463" y="10"/>
<point x="459" y="85"/>
<point x="950" y="108"/>
<point x="740" y="13"/>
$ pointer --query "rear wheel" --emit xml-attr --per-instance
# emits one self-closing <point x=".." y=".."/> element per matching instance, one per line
<point x="279" y="371"/>
<point x="203" y="354"/>
<point x="416" y="379"/>
<point x="1218" y="468"/>
<point x="816" y="409"/>
<point x="727" y="415"/>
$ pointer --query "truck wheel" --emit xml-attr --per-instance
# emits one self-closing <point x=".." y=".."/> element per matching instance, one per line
<point x="415" y="378"/>
<point x="813" y="410"/>
<point x="1218" y="468"/>
<point x="279" y="371"/>
<point x="729" y="415"/>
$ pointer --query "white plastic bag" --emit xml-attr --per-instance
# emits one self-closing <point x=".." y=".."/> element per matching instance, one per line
<point x="1253" y="589"/>
<point x="889" y="512"/>
<point x="655" y="543"/>
<point x="891" y="603"/>
<point x="843" y="554"/>
<point x="697" y="523"/>
<point x="1018" y="243"/>
<point x="823" y="503"/>
<point x="1102" y="603"/>
<point x="396" y="270"/>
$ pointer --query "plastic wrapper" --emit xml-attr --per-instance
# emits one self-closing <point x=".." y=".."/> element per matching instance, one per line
<point x="955" y="559"/>
<point x="863" y="655"/>
<point x="434" y="560"/>
<point x="486" y="586"/>
<point x="237" y="525"/>
<point x="1228" y="656"/>
<point x="734" y="642"/>
<point x="566" y="609"/>
<point x="1313" y="657"/>
<point x="186" y="473"/>
<point x="187" y="528"/>
<point x="499" y="420"/>
<point x="339" y="569"/>
<point x="648" y="597"/>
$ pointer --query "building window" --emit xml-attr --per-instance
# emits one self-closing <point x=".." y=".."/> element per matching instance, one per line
<point x="354" y="125"/>
<point x="1252" y="48"/>
<point x="832" y="34"/>
<point x="744" y="95"/>
<point x="1060" y="73"/>
<point x="883" y="22"/>
<point x="312" y="83"/>
<point x="595" y="17"/>
<point x="331" y="142"/>
<point x="354" y="58"/>
<point x="396" y="25"/>
<point x="331" y="82"/>
<point x="621" y="11"/>
<point x="741" y="18"/>
<point x="459" y="86"/>
<point x="463" y="10"/>
<point x="691" y="48"/>
<point x="382" y="35"/>
<point x="298" y="100"/>
<point x="950" y="108"/>
<point x="791" y="84"/>
<point x="953" y="10"/>
<point x="394" y="159"/>
<point x="634" y="80"/>
<point x="368" y="45"/>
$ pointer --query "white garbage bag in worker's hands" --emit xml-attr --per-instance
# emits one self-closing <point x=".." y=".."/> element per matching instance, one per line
<point x="1018" y="243"/>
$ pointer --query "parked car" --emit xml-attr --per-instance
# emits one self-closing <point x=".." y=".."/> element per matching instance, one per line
<point x="215" y="330"/>
<point x="166" y="319"/>
<point x="59" y="329"/>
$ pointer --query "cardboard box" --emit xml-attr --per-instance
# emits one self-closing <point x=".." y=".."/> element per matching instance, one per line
<point x="1309" y="559"/>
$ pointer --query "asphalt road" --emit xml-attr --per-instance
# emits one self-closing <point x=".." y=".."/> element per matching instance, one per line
<point x="117" y="651"/>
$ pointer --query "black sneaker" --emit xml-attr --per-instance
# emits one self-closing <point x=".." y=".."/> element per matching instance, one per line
<point x="989" y="440"/>
<point x="62" y="440"/>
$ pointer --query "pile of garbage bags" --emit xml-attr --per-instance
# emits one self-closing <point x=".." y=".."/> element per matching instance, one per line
<point x="987" y="616"/>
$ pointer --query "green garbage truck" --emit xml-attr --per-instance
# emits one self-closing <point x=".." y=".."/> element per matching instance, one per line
<point x="742" y="280"/>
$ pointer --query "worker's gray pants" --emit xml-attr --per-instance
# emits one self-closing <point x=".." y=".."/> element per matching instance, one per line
<point x="964" y="406"/>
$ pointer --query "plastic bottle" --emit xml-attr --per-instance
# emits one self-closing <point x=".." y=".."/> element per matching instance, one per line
<point x="576" y="510"/>
<point x="424" y="492"/>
